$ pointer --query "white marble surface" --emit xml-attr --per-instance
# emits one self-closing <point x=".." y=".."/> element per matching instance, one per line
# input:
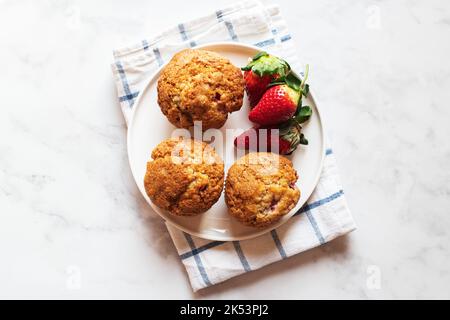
<point x="73" y="224"/>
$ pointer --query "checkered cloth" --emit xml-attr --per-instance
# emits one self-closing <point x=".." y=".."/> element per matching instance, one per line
<point x="322" y="219"/>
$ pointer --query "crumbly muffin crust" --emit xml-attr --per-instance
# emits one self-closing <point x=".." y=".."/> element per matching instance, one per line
<point x="200" y="85"/>
<point x="260" y="188"/>
<point x="185" y="177"/>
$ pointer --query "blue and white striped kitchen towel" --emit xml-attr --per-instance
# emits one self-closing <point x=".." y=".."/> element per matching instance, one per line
<point x="324" y="217"/>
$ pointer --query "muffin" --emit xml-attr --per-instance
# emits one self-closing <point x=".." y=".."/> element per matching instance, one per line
<point x="185" y="177"/>
<point x="260" y="188"/>
<point x="199" y="85"/>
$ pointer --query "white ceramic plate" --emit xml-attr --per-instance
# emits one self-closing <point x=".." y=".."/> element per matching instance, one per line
<point x="148" y="127"/>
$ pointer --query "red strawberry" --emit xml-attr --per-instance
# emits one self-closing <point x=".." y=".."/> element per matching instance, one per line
<point x="289" y="136"/>
<point x="262" y="69"/>
<point x="255" y="86"/>
<point x="278" y="104"/>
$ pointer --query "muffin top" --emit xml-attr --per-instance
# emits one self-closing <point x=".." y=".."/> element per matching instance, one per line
<point x="260" y="188"/>
<point x="185" y="177"/>
<point x="200" y="85"/>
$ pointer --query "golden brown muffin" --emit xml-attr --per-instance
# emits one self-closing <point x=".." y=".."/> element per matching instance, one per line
<point x="185" y="176"/>
<point x="260" y="188"/>
<point x="199" y="85"/>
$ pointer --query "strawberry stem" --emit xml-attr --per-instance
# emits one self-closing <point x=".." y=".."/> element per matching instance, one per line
<point x="302" y="84"/>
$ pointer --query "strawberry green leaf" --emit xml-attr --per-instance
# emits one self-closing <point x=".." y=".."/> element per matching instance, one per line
<point x="293" y="81"/>
<point x="303" y="114"/>
<point x="264" y="64"/>
<point x="259" y="55"/>
<point x="303" y="140"/>
<point x="288" y="65"/>
<point x="305" y="90"/>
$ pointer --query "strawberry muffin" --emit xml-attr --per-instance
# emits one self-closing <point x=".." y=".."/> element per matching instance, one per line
<point x="260" y="188"/>
<point x="200" y="85"/>
<point x="185" y="177"/>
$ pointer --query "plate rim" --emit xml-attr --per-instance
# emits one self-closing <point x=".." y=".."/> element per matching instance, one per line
<point x="258" y="232"/>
